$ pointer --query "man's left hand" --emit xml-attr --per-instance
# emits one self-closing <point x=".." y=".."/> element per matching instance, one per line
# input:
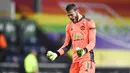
<point x="80" y="51"/>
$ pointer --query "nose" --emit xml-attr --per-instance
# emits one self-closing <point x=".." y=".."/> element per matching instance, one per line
<point x="70" y="17"/>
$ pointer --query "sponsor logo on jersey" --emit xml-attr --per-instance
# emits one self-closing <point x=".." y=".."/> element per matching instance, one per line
<point x="78" y="36"/>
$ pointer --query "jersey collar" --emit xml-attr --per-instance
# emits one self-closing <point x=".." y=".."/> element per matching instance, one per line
<point x="81" y="18"/>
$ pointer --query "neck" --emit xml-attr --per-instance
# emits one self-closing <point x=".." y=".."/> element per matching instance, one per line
<point x="79" y="16"/>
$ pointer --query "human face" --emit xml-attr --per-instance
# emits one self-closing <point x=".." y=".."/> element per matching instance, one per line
<point x="73" y="15"/>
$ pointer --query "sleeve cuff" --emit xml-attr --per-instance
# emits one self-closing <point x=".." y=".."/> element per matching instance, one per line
<point x="86" y="50"/>
<point x="58" y="53"/>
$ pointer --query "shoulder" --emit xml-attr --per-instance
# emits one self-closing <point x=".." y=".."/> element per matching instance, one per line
<point x="90" y="22"/>
<point x="68" y="25"/>
<point x="87" y="19"/>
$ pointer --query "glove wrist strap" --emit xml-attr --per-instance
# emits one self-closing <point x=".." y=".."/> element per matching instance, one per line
<point x="58" y="54"/>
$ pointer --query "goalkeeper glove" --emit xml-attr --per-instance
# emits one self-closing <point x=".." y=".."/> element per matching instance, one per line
<point x="80" y="51"/>
<point x="51" y="55"/>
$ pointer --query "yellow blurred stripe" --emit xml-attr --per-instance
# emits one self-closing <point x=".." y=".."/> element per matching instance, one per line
<point x="110" y="57"/>
<point x="50" y="19"/>
<point x="59" y="19"/>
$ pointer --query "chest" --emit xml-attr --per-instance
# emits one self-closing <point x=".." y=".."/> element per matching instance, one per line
<point x="79" y="30"/>
<point x="79" y="27"/>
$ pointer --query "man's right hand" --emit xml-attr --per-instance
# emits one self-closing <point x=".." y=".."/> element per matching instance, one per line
<point x="51" y="55"/>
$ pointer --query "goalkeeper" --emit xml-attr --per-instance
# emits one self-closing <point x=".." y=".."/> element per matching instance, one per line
<point x="81" y="35"/>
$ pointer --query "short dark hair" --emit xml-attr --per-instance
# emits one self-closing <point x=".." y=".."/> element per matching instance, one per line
<point x="70" y="7"/>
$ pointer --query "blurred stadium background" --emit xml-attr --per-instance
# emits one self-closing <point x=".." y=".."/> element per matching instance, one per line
<point x="40" y="24"/>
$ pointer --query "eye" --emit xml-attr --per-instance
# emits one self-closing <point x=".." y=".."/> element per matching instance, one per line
<point x="70" y="14"/>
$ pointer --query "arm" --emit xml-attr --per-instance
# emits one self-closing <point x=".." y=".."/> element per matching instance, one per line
<point x="91" y="39"/>
<point x="67" y="44"/>
<point x="92" y="35"/>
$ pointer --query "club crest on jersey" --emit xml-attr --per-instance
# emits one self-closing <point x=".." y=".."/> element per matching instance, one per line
<point x="82" y="27"/>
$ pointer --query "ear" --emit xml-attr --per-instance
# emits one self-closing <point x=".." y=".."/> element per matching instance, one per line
<point x="77" y="10"/>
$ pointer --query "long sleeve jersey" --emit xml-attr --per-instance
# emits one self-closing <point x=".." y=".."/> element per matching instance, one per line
<point x="81" y="34"/>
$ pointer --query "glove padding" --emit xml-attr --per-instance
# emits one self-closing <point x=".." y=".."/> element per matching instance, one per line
<point x="80" y="51"/>
<point x="51" y="55"/>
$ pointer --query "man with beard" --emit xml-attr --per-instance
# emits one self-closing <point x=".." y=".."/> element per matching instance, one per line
<point x="81" y="34"/>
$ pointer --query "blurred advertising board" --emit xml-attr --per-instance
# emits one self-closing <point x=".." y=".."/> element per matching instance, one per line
<point x="7" y="9"/>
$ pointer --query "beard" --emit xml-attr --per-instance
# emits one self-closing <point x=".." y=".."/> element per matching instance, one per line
<point x="75" y="19"/>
